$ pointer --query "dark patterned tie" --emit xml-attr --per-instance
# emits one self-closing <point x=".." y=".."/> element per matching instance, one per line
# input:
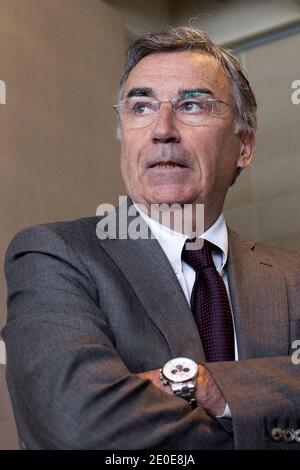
<point x="210" y="304"/>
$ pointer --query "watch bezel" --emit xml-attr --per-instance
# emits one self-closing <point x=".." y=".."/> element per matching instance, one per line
<point x="188" y="376"/>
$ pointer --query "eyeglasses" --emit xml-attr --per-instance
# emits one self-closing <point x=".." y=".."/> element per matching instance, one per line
<point x="140" y="111"/>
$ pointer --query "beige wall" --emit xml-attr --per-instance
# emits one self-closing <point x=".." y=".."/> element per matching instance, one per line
<point x="265" y="202"/>
<point x="61" y="62"/>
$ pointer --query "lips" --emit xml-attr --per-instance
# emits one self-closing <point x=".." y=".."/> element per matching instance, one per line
<point x="166" y="165"/>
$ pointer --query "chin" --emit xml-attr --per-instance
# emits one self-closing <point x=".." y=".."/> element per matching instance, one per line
<point x="171" y="198"/>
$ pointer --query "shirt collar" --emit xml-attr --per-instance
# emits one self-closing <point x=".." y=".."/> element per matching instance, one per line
<point x="217" y="234"/>
<point x="172" y="242"/>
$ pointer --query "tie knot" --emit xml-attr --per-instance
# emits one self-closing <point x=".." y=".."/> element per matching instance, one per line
<point x="197" y="258"/>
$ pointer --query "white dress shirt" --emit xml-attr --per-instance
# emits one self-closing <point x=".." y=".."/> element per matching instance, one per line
<point x="172" y="243"/>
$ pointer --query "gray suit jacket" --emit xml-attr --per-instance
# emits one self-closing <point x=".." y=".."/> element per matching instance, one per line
<point x="85" y="315"/>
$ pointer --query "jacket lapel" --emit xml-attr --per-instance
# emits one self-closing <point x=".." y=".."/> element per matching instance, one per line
<point x="257" y="289"/>
<point x="259" y="299"/>
<point x="148" y="271"/>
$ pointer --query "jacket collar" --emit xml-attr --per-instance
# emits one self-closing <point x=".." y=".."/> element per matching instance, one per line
<point x="156" y="286"/>
<point x="257" y="289"/>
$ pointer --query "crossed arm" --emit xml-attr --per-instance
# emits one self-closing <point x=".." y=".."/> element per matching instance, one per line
<point x="71" y="389"/>
<point x="208" y="394"/>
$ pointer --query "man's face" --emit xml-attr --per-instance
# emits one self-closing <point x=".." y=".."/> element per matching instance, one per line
<point x="209" y="154"/>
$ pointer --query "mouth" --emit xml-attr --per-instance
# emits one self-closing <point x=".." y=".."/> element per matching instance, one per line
<point x="167" y="165"/>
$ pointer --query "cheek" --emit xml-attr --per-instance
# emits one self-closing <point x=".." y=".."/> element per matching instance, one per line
<point x="216" y="149"/>
<point x="126" y="163"/>
<point x="123" y="167"/>
<point x="203" y="143"/>
<point x="130" y="155"/>
<point x="132" y="148"/>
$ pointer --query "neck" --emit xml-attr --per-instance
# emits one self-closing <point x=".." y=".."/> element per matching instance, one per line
<point x="190" y="219"/>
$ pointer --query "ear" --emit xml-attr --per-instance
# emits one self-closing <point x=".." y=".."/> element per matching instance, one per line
<point x="247" y="147"/>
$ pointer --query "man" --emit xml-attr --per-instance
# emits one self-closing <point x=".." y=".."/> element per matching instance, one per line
<point x="92" y="318"/>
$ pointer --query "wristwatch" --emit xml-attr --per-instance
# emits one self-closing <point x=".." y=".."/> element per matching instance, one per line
<point x="180" y="373"/>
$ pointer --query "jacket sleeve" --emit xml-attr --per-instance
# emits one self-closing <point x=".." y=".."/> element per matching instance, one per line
<point x="69" y="387"/>
<point x="264" y="398"/>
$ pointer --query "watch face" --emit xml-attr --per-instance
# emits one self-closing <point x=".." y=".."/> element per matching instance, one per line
<point x="180" y="369"/>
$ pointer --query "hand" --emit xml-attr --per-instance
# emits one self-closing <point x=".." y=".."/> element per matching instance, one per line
<point x="208" y="394"/>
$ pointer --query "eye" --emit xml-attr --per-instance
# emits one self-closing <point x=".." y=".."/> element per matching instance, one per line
<point x="195" y="106"/>
<point x="142" y="108"/>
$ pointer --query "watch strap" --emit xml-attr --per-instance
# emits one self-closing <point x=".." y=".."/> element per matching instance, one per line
<point x="187" y="391"/>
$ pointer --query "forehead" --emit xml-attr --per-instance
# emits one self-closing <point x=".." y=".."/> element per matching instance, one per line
<point x="167" y="72"/>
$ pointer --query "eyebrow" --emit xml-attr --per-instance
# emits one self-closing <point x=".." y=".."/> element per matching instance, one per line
<point x="140" y="91"/>
<point x="182" y="92"/>
<point x="188" y="93"/>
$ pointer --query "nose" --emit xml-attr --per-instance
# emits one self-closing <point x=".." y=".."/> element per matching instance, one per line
<point x="164" y="128"/>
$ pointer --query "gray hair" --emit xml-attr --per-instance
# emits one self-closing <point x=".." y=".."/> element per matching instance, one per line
<point x="191" y="39"/>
